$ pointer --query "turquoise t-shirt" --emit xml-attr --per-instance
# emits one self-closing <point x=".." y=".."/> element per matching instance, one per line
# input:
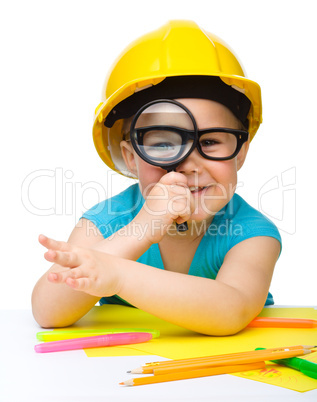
<point x="236" y="222"/>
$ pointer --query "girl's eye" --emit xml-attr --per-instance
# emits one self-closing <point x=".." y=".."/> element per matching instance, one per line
<point x="163" y="146"/>
<point x="208" y="143"/>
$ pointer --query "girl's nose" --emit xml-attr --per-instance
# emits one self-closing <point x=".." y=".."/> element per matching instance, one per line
<point x="192" y="164"/>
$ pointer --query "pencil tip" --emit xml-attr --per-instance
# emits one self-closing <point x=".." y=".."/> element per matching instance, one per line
<point x="138" y="370"/>
<point x="129" y="371"/>
<point x="127" y="383"/>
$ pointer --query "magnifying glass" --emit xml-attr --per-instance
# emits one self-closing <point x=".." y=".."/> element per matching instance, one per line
<point x="163" y="133"/>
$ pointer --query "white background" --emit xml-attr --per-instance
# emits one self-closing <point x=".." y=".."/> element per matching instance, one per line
<point x="54" y="58"/>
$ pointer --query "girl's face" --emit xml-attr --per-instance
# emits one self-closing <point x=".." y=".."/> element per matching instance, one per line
<point x="212" y="183"/>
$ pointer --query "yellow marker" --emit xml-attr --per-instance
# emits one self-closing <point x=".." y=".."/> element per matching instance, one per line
<point x="49" y="336"/>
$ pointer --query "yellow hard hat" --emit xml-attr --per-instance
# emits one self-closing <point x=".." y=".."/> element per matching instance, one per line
<point x="178" y="55"/>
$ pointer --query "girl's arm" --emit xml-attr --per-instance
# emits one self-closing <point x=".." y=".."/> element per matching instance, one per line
<point x="215" y="307"/>
<point x="60" y="306"/>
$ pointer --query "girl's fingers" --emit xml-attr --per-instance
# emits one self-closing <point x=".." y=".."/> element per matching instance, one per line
<point x="82" y="284"/>
<point x="54" y="244"/>
<point x="174" y="178"/>
<point x="65" y="276"/>
<point x="65" y="259"/>
<point x="57" y="277"/>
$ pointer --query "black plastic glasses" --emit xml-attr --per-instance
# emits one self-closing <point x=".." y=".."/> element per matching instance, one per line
<point x="164" y="133"/>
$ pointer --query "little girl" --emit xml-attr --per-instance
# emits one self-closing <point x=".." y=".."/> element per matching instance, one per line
<point x="179" y="115"/>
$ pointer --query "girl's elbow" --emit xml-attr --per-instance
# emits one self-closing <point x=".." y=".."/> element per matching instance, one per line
<point x="48" y="321"/>
<point x="232" y="320"/>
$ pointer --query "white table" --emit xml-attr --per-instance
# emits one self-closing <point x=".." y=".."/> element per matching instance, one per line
<point x="72" y="376"/>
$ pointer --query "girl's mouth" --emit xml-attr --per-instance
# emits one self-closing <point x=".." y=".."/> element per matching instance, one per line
<point x="196" y="190"/>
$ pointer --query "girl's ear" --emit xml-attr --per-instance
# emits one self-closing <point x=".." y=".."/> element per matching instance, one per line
<point x="242" y="155"/>
<point x="128" y="157"/>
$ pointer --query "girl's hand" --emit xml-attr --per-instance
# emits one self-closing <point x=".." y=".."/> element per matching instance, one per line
<point x="169" y="201"/>
<point x="82" y="269"/>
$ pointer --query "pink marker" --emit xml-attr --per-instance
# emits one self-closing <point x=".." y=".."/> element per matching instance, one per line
<point x="94" y="342"/>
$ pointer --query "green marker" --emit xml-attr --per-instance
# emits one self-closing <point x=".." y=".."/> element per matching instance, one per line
<point x="80" y="333"/>
<point x="304" y="366"/>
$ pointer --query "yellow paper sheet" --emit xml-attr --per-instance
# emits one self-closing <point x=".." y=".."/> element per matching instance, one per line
<point x="176" y="342"/>
<point x="283" y="376"/>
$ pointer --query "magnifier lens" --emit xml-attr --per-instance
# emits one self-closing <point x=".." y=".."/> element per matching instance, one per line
<point x="163" y="133"/>
<point x="162" y="145"/>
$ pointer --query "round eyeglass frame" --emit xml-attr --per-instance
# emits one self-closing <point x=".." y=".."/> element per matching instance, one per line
<point x="137" y="134"/>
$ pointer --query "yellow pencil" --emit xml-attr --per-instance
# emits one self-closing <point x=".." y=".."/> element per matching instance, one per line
<point x="252" y="358"/>
<point x="194" y="374"/>
<point x="149" y="367"/>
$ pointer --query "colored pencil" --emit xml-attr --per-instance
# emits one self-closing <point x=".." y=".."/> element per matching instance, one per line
<point x="223" y="359"/>
<point x="226" y="362"/>
<point x="193" y="374"/>
<point x="275" y="322"/>
<point x="304" y="366"/>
